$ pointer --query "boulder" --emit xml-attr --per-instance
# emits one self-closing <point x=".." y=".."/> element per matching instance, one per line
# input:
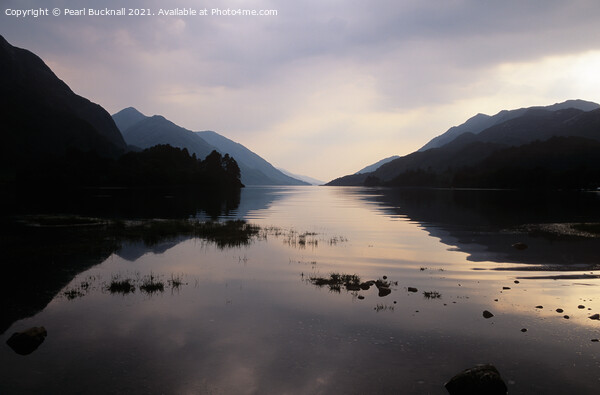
<point x="481" y="379"/>
<point x="26" y="342"/>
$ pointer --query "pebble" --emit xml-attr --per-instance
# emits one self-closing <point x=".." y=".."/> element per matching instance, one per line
<point x="595" y="317"/>
<point x="524" y="330"/>
<point x="559" y="310"/>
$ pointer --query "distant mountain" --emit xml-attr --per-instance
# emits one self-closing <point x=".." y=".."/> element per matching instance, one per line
<point x="255" y="170"/>
<point x="376" y="165"/>
<point x="128" y="117"/>
<point x="310" y="180"/>
<point x="40" y="116"/>
<point x="150" y="131"/>
<point x="144" y="132"/>
<point x="472" y="160"/>
<point x="480" y="122"/>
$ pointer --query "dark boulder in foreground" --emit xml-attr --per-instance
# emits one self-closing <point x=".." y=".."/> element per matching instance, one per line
<point x="26" y="342"/>
<point x="487" y="314"/>
<point x="481" y="379"/>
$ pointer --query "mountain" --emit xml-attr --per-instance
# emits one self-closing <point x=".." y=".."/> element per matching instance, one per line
<point x="376" y="165"/>
<point x="144" y="132"/>
<point x="310" y="180"/>
<point x="41" y="116"/>
<point x="128" y="117"/>
<point x="480" y="122"/>
<point x="530" y="139"/>
<point x="255" y="170"/>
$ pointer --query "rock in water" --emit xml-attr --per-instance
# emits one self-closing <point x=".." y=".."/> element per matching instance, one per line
<point x="520" y="246"/>
<point x="26" y="342"/>
<point x="481" y="379"/>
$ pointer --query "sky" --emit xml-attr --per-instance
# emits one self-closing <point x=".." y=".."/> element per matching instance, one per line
<point x="323" y="88"/>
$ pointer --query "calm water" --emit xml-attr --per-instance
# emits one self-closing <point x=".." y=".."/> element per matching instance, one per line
<point x="248" y="320"/>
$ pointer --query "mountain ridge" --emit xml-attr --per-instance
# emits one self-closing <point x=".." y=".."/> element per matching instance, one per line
<point x="445" y="166"/>
<point x="480" y="122"/>
<point x="42" y="117"/>
<point x="145" y="131"/>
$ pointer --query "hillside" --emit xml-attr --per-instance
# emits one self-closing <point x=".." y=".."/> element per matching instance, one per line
<point x="376" y="165"/>
<point x="255" y="170"/>
<point x="42" y="117"/>
<point x="472" y="160"/>
<point x="142" y="131"/>
<point x="481" y="122"/>
<point x="155" y="130"/>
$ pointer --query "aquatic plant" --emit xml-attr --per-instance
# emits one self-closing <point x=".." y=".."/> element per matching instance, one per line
<point x="432" y="294"/>
<point x="224" y="234"/>
<point x="176" y="281"/>
<point x="593" y="228"/>
<point x="121" y="286"/>
<point x="73" y="293"/>
<point x="336" y="279"/>
<point x="151" y="286"/>
<point x="383" y="307"/>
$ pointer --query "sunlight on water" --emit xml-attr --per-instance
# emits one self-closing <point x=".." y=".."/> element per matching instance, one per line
<point x="191" y="317"/>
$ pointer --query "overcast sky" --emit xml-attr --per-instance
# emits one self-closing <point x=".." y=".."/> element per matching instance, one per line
<point x="325" y="87"/>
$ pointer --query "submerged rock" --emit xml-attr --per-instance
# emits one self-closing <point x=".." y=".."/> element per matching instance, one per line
<point x="520" y="246"/>
<point x="412" y="289"/>
<point x="26" y="342"/>
<point x="481" y="379"/>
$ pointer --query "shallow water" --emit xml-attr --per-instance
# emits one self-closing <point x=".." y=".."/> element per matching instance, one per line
<point x="248" y="320"/>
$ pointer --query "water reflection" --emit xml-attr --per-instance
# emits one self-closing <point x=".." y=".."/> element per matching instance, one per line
<point x="122" y="202"/>
<point x="343" y="290"/>
<point x="487" y="224"/>
<point x="43" y="251"/>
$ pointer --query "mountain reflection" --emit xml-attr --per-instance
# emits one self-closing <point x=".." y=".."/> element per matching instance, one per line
<point x="94" y="224"/>
<point x="487" y="223"/>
